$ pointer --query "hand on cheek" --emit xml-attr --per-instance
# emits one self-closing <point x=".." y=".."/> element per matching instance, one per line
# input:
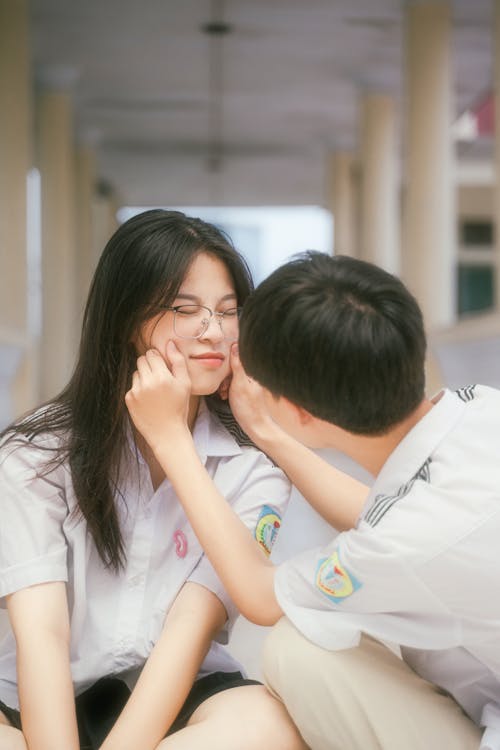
<point x="159" y="397"/>
<point x="223" y="390"/>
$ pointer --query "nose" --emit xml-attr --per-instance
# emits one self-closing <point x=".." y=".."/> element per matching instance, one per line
<point x="214" y="329"/>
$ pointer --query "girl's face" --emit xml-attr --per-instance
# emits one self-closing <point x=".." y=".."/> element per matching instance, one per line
<point x="208" y="283"/>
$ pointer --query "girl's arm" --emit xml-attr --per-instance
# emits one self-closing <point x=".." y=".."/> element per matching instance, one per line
<point x="157" y="405"/>
<point x="194" y="620"/>
<point x="40" y="622"/>
<point x="336" y="496"/>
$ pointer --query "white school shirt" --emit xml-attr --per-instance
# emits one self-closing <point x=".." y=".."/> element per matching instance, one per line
<point x="117" y="618"/>
<point x="422" y="568"/>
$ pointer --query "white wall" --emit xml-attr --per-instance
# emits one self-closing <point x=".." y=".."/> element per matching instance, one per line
<point x="3" y="622"/>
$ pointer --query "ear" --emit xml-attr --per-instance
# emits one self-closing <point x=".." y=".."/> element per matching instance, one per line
<point x="301" y="415"/>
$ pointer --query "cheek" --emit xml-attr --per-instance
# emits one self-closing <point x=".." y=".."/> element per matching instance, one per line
<point x="161" y="335"/>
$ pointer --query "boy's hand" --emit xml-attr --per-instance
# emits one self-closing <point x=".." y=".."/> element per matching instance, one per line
<point x="246" y="398"/>
<point x="158" y="400"/>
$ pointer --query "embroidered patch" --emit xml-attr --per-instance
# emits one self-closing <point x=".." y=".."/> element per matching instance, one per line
<point x="181" y="544"/>
<point x="267" y="528"/>
<point x="333" y="580"/>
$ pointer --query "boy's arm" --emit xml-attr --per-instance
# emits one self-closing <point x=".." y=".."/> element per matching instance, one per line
<point x="194" y="620"/>
<point x="336" y="496"/>
<point x="157" y="405"/>
<point x="40" y="622"/>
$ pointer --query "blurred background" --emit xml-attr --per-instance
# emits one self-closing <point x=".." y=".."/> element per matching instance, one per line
<point x="361" y="127"/>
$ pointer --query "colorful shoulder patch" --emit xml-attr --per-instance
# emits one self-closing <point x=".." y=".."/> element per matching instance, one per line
<point x="333" y="580"/>
<point x="267" y="528"/>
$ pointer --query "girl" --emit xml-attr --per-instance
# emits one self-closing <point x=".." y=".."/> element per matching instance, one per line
<point x="108" y="593"/>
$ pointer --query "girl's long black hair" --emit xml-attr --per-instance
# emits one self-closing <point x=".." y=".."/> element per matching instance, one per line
<point x="140" y="270"/>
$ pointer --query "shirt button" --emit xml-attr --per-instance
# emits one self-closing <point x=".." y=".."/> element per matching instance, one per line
<point x="137" y="580"/>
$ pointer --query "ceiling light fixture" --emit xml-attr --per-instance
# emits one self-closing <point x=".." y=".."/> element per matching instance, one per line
<point x="216" y="29"/>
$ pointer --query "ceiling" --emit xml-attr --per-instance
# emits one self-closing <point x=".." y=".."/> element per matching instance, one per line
<point x="181" y="117"/>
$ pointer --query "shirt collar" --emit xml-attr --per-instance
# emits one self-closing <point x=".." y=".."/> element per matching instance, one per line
<point x="210" y="436"/>
<point x="418" y="445"/>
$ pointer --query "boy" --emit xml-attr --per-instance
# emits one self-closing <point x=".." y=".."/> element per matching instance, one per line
<point x="338" y="347"/>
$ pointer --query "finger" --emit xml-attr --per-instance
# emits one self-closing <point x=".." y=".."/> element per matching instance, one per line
<point x="177" y="363"/>
<point x="236" y="365"/>
<point x="129" y="396"/>
<point x="223" y="390"/>
<point x="143" y="367"/>
<point x="240" y="376"/>
<point x="156" y="362"/>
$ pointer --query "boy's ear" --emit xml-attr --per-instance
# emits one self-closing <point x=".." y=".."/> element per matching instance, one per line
<point x="301" y="414"/>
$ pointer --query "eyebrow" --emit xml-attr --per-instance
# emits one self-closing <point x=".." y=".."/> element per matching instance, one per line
<point x="194" y="298"/>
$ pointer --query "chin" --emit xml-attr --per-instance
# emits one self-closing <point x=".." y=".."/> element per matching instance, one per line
<point x="205" y="384"/>
<point x="204" y="389"/>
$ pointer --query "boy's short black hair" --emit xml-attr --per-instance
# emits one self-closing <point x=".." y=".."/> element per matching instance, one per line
<point x="340" y="337"/>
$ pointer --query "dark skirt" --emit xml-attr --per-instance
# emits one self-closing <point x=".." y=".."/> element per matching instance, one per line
<point x="98" y="708"/>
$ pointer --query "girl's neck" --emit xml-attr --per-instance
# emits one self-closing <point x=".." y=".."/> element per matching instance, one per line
<point x="156" y="471"/>
<point x="194" y="405"/>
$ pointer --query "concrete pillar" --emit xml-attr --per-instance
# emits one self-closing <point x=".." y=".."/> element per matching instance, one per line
<point x="379" y="183"/>
<point x="496" y="63"/>
<point x="106" y="205"/>
<point x="341" y="202"/>
<point x="60" y="297"/>
<point x="429" y="254"/>
<point x="17" y="359"/>
<point x="85" y="218"/>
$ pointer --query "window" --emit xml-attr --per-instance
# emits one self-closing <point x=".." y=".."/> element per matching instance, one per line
<point x="475" y="233"/>
<point x="475" y="288"/>
<point x="476" y="273"/>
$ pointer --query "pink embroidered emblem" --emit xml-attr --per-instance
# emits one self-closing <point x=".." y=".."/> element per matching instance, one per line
<point x="181" y="545"/>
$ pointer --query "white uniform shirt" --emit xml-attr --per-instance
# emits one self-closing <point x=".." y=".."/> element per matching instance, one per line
<point x="422" y="568"/>
<point x="117" y="618"/>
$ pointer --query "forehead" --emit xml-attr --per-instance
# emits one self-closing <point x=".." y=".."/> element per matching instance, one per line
<point x="207" y="272"/>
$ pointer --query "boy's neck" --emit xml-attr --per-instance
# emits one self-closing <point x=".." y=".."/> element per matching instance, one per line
<point x="372" y="451"/>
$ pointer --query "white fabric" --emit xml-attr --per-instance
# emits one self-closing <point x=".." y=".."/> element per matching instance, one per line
<point x="422" y="568"/>
<point x="116" y="619"/>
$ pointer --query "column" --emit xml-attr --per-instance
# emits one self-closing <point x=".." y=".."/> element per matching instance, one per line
<point x="341" y="201"/>
<point x="60" y="304"/>
<point x="496" y="218"/>
<point x="379" y="183"/>
<point x="86" y="172"/>
<point x="17" y="358"/>
<point x="106" y="205"/>
<point x="429" y="255"/>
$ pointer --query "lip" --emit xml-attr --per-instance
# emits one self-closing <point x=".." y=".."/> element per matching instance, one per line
<point x="210" y="359"/>
<point x="209" y="355"/>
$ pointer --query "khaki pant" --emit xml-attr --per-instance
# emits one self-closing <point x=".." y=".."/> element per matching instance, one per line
<point x="364" y="698"/>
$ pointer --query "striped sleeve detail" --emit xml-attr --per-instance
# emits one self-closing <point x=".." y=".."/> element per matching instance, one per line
<point x="466" y="393"/>
<point x="384" y="503"/>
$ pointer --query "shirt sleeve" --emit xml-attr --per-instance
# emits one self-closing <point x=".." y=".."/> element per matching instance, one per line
<point x="32" y="511"/>
<point x="259" y="493"/>
<point x="361" y="583"/>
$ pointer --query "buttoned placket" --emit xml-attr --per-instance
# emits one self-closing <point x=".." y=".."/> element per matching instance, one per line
<point x="141" y="531"/>
<point x="139" y="550"/>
